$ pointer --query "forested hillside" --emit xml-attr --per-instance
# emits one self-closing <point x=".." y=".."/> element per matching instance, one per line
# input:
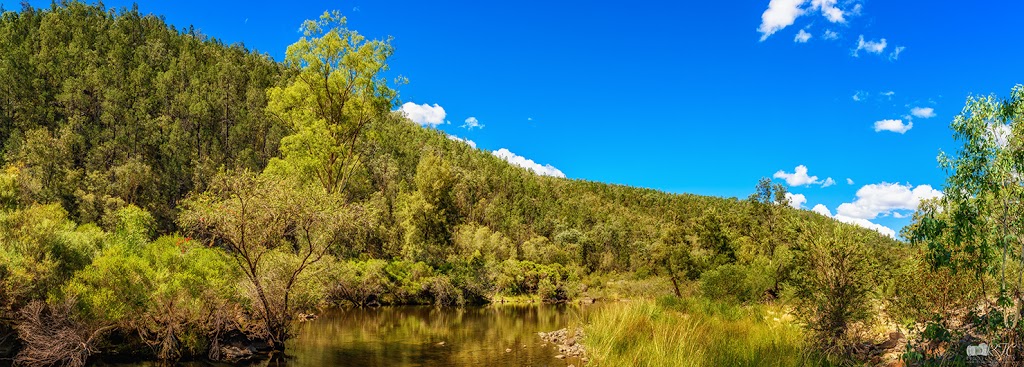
<point x="163" y="189"/>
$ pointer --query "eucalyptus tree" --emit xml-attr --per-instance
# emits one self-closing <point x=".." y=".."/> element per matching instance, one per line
<point x="984" y="191"/>
<point x="337" y="91"/>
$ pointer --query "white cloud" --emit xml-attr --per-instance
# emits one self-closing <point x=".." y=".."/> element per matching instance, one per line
<point x="544" y="170"/>
<point x="529" y="119"/>
<point x="471" y="123"/>
<point x="798" y="178"/>
<point x="829" y="10"/>
<point x="830" y="35"/>
<point x="780" y="14"/>
<point x="828" y="182"/>
<point x="802" y="37"/>
<point x="875" y="47"/>
<point x="823" y="210"/>
<point x="888" y="93"/>
<point x="923" y="112"/>
<point x="896" y="126"/>
<point x="884" y="198"/>
<point x="1000" y="132"/>
<point x="849" y="181"/>
<point x="899" y="215"/>
<point x="859" y="96"/>
<point x="467" y="141"/>
<point x="795" y="200"/>
<point x="895" y="54"/>
<point x="866" y="224"/>
<point x="423" y="114"/>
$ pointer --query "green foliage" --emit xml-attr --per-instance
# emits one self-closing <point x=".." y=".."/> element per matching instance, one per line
<point x="104" y="108"/>
<point x="334" y="96"/>
<point x="835" y="286"/>
<point x="969" y="239"/>
<point x="302" y="186"/>
<point x="276" y="231"/>
<point x="41" y="250"/>
<point x="694" y="333"/>
<point x="735" y="283"/>
<point x="173" y="293"/>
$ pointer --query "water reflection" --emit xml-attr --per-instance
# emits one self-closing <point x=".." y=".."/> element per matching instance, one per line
<point x="429" y="336"/>
<point x="406" y="336"/>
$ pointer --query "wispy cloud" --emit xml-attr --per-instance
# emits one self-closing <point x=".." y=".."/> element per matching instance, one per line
<point x="923" y="112"/>
<point x="544" y="170"/>
<point x="823" y="210"/>
<point x="802" y="37"/>
<point x="895" y="55"/>
<point x="780" y="14"/>
<point x="896" y="126"/>
<point x="467" y="141"/>
<point x="799" y="177"/>
<point x="472" y="123"/>
<point x="875" y="47"/>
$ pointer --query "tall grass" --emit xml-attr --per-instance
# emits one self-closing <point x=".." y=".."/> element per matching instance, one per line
<point x="695" y="332"/>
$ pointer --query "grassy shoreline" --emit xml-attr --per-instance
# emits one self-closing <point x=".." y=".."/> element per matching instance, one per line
<point x="695" y="332"/>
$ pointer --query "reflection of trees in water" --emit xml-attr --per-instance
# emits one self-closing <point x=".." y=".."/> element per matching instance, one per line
<point x="408" y="336"/>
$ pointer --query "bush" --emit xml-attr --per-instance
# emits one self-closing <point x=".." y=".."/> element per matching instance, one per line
<point x="735" y="283"/>
<point x="174" y="294"/>
<point x="362" y="282"/>
<point x="40" y="249"/>
<point x="835" y="284"/>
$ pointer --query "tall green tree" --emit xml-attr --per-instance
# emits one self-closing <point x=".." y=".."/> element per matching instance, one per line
<point x="336" y="93"/>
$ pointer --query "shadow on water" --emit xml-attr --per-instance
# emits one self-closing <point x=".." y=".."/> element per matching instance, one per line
<point x="427" y="336"/>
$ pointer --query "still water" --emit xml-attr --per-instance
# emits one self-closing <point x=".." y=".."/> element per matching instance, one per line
<point x="406" y="336"/>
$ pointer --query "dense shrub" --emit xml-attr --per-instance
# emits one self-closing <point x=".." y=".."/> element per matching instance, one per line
<point x="735" y="282"/>
<point x="835" y="287"/>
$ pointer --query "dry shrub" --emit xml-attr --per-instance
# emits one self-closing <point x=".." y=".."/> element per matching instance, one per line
<point x="51" y="338"/>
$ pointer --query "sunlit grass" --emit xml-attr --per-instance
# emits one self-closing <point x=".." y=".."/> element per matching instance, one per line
<point x="695" y="332"/>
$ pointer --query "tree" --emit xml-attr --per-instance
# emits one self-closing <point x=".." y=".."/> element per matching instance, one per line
<point x="974" y="230"/>
<point x="769" y="231"/>
<point x="672" y="253"/>
<point x="335" y="94"/>
<point x="274" y="229"/>
<point x="835" y="284"/>
<point x="985" y="188"/>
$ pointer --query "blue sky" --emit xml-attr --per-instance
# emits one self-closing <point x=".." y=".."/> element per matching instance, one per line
<point x="697" y="97"/>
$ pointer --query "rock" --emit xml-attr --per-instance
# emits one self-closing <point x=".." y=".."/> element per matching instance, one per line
<point x="560" y="356"/>
<point x="508" y="350"/>
<point x="566" y="341"/>
<point x="440" y="344"/>
<point x="235" y="354"/>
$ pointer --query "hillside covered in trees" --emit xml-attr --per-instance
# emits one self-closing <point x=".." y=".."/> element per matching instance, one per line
<point x="164" y="195"/>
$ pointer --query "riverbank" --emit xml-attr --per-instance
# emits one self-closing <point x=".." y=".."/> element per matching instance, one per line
<point x="695" y="332"/>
